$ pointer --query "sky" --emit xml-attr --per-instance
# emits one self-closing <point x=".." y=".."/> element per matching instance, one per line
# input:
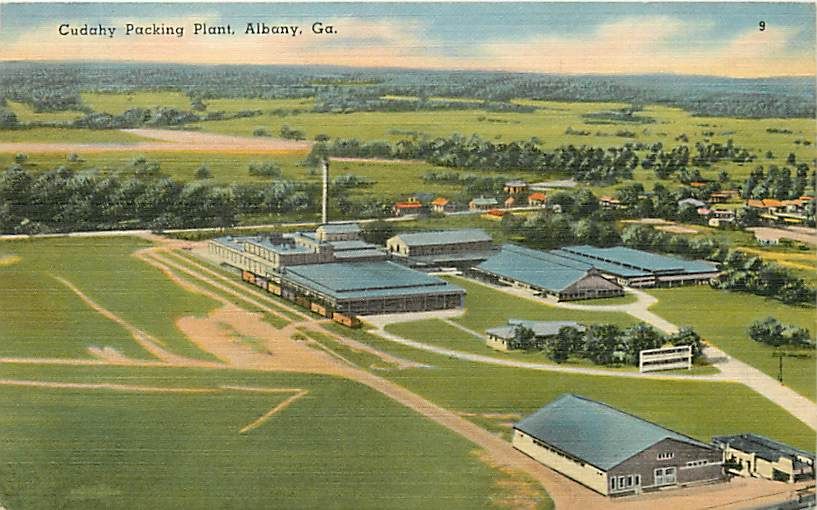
<point x="713" y="39"/>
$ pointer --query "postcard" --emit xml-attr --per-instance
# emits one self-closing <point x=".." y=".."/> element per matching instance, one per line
<point x="429" y="255"/>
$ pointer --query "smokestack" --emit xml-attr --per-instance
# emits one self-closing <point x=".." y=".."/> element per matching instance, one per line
<point x="325" y="199"/>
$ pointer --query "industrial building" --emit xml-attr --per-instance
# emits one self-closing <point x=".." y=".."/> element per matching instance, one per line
<point x="332" y="272"/>
<point x="448" y="248"/>
<point x="583" y="272"/>
<point x="502" y="338"/>
<point x="546" y="274"/>
<point x="613" y="452"/>
<point x="761" y="457"/>
<point x="636" y="268"/>
<point x="365" y="288"/>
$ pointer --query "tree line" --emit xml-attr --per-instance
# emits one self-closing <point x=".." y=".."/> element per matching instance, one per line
<point x="604" y="344"/>
<point x="62" y="200"/>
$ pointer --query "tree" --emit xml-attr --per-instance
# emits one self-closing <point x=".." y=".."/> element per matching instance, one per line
<point x="377" y="232"/>
<point x="20" y="158"/>
<point x="265" y="169"/>
<point x="602" y="344"/>
<point x="687" y="336"/>
<point x="566" y="342"/>
<point x="523" y="338"/>
<point x="638" y="338"/>
<point x="8" y="119"/>
<point x="203" y="172"/>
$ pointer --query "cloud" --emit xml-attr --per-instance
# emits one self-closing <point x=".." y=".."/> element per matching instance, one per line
<point x="642" y="45"/>
<point x="632" y="45"/>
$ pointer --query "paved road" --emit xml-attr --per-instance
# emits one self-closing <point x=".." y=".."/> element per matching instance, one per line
<point x="731" y="369"/>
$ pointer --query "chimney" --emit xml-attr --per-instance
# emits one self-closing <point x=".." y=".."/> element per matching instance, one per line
<point x="325" y="199"/>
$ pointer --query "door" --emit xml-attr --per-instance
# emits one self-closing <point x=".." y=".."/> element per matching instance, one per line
<point x="665" y="476"/>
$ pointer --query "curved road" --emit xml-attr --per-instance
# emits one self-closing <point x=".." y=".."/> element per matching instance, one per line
<point x="731" y="369"/>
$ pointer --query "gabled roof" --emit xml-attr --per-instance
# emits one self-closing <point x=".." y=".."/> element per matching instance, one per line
<point x="537" y="196"/>
<point x="408" y="205"/>
<point x="440" y="201"/>
<point x="483" y="201"/>
<point x="540" y="328"/>
<point x="443" y="237"/>
<point x="596" y="433"/>
<point x="771" y="202"/>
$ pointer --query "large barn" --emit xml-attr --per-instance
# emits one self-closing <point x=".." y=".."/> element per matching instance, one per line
<point x="545" y="273"/>
<point x="446" y="248"/>
<point x="612" y="452"/>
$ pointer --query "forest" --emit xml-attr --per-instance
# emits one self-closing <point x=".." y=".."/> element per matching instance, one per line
<point x="56" y="87"/>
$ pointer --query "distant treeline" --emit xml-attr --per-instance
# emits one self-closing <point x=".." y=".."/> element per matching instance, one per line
<point x="583" y="163"/>
<point x="56" y="87"/>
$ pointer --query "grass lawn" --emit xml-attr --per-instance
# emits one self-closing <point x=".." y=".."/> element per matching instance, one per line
<point x="486" y="307"/>
<point x="66" y="135"/>
<point x="341" y="446"/>
<point x="104" y="270"/>
<point x="25" y="114"/>
<point x="723" y="318"/>
<point x="117" y="103"/>
<point x="685" y="406"/>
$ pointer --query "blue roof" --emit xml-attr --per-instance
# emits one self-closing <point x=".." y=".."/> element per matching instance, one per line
<point x="540" y="328"/>
<point x="536" y="268"/>
<point x="356" y="244"/>
<point x="279" y="247"/>
<point x="355" y="280"/>
<point x="594" y="432"/>
<point x="467" y="235"/>
<point x="484" y="201"/>
<point x="642" y="260"/>
<point x="607" y="267"/>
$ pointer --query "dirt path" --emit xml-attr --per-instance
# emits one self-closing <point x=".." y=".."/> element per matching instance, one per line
<point x="801" y="234"/>
<point x="275" y="410"/>
<point x="146" y="341"/>
<point x="168" y="140"/>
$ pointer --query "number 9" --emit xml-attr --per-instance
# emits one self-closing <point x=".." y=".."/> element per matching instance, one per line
<point x="762" y="26"/>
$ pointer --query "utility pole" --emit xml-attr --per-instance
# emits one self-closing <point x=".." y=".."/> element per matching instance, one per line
<point x="779" y="355"/>
<point x="325" y="198"/>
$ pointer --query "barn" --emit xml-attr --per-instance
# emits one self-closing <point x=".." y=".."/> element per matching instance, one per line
<point x="613" y="452"/>
<point x="545" y="273"/>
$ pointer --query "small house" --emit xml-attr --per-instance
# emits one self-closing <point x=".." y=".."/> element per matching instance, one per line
<point x="537" y="199"/>
<point x="502" y="338"/>
<point x="495" y="214"/>
<point x="509" y="202"/>
<point x="515" y="186"/>
<point x="404" y="208"/>
<point x="443" y="205"/>
<point x="482" y="204"/>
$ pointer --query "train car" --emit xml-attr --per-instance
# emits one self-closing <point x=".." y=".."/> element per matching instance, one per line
<point x="248" y="276"/>
<point x="319" y="309"/>
<point x="274" y="289"/>
<point x="349" y="321"/>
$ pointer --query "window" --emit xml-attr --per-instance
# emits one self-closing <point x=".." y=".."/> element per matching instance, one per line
<point x="697" y="463"/>
<point x="665" y="455"/>
<point x="665" y="476"/>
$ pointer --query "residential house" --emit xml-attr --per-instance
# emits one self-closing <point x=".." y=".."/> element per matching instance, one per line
<point x="404" y="208"/>
<point x="537" y="199"/>
<point x="482" y="204"/>
<point x="515" y="186"/>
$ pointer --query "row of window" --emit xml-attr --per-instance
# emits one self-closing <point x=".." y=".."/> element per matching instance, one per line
<point x="618" y="483"/>
<point x="697" y="463"/>
<point x="665" y="455"/>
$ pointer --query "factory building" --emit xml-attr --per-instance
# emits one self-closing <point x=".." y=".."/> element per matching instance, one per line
<point x="545" y="274"/>
<point x="448" y="248"/>
<point x="333" y="272"/>
<point x="613" y="452"/>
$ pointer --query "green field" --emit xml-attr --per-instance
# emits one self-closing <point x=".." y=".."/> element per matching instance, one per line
<point x="684" y="406"/>
<point x="65" y="135"/>
<point x="723" y="318"/>
<point x="340" y="446"/>
<point x="26" y="114"/>
<point x="43" y="318"/>
<point x="117" y="103"/>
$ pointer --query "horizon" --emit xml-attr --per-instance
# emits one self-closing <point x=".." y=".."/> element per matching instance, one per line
<point x="716" y="40"/>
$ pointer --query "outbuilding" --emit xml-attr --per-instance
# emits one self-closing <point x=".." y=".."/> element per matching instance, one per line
<point x="758" y="456"/>
<point x="613" y="452"/>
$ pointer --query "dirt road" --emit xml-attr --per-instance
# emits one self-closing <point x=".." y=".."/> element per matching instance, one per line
<point x="168" y="140"/>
